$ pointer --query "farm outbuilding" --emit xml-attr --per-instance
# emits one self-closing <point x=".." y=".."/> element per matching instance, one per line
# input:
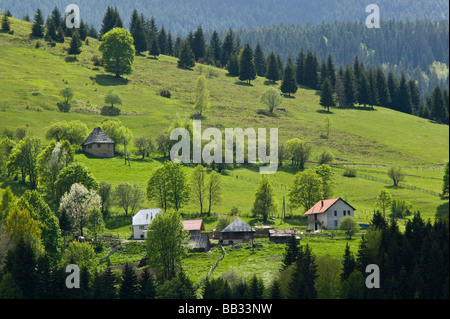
<point x="99" y="144"/>
<point x="237" y="232"/>
<point x="281" y="236"/>
<point x="198" y="242"/>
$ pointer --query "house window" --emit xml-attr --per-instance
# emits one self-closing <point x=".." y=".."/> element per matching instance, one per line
<point x="142" y="236"/>
<point x="349" y="213"/>
<point x="335" y="223"/>
<point x="89" y="146"/>
<point x="344" y="212"/>
<point x="335" y="213"/>
<point x="99" y="145"/>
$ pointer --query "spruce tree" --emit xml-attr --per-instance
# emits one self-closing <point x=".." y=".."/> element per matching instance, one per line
<point x="404" y="96"/>
<point x="169" y="44"/>
<point x="228" y="46"/>
<point x="137" y="32"/>
<point x="233" y="65"/>
<point x="331" y="70"/>
<point x="198" y="43"/>
<point x="438" y="111"/>
<point x="327" y="97"/>
<point x="162" y="41"/>
<point x="272" y="72"/>
<point x="260" y="61"/>
<point x="299" y="67"/>
<point x="339" y="91"/>
<point x="129" y="285"/>
<point x="350" y="89"/>
<point x="348" y="264"/>
<point x="75" y="44"/>
<point x="186" y="59"/>
<point x="363" y="87"/>
<point x="147" y="288"/>
<point x="154" y="47"/>
<point x="6" y="25"/>
<point x="111" y="20"/>
<point x="393" y="87"/>
<point x="247" y="70"/>
<point x="291" y="253"/>
<point x="215" y="46"/>
<point x="415" y="96"/>
<point x="382" y="88"/>
<point x="37" y="29"/>
<point x="311" y="65"/>
<point x="289" y="84"/>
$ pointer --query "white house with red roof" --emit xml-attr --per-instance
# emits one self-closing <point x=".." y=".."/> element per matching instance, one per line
<point x="327" y="213"/>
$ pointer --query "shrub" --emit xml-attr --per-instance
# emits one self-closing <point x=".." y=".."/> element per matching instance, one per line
<point x="165" y="93"/>
<point x="97" y="61"/>
<point x="350" y="172"/>
<point x="64" y="107"/>
<point x="110" y="111"/>
<point x="38" y="45"/>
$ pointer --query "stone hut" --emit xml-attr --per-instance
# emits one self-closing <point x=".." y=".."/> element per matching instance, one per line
<point x="99" y="144"/>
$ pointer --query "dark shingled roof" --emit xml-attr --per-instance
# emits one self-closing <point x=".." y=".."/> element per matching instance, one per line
<point x="238" y="225"/>
<point x="98" y="136"/>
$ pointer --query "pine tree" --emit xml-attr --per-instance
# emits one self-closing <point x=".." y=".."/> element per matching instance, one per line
<point x="260" y="61"/>
<point x="186" y="59"/>
<point x="137" y="32"/>
<point x="169" y="44"/>
<point x="382" y="88"/>
<point x="289" y="84"/>
<point x="37" y="29"/>
<point x="147" y="288"/>
<point x="75" y="44"/>
<point x="415" y="96"/>
<point x="162" y="41"/>
<point x="227" y="46"/>
<point x="154" y="47"/>
<point x="110" y="21"/>
<point x="247" y="70"/>
<point x="198" y="43"/>
<point x="331" y="70"/>
<point x="56" y="17"/>
<point x="363" y="87"/>
<point x="215" y="46"/>
<point x="291" y="253"/>
<point x="299" y="67"/>
<point x="327" y="97"/>
<point x="128" y="287"/>
<point x="350" y="89"/>
<point x="393" y="87"/>
<point x="438" y="111"/>
<point x="233" y="65"/>
<point x="348" y="264"/>
<point x="272" y="72"/>
<point x="311" y="65"/>
<point x="280" y="66"/>
<point x="404" y="96"/>
<point x="6" y="25"/>
<point x="339" y="91"/>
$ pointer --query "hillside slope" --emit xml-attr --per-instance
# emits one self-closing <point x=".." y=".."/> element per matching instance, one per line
<point x="32" y="79"/>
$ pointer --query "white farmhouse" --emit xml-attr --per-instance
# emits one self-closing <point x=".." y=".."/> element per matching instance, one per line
<point x="327" y="213"/>
<point x="141" y="220"/>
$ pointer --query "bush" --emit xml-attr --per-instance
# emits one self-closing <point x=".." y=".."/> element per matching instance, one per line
<point x="97" y="61"/>
<point x="110" y="111"/>
<point x="64" y="107"/>
<point x="350" y="172"/>
<point x="165" y="93"/>
<point x="38" y="45"/>
<point x="326" y="158"/>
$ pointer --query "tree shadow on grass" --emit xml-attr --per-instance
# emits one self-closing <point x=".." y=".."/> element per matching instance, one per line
<point x="243" y="83"/>
<point x="442" y="210"/>
<point x="110" y="80"/>
<point x="324" y="112"/>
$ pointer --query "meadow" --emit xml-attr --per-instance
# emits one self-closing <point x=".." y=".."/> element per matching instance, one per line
<point x="369" y="140"/>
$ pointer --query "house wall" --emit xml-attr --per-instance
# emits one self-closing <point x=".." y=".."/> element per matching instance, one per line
<point x="100" y="150"/>
<point x="236" y="237"/>
<point x="329" y="219"/>
<point x="139" y="230"/>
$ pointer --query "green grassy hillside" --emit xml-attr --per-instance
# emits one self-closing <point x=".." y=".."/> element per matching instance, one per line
<point x="31" y="79"/>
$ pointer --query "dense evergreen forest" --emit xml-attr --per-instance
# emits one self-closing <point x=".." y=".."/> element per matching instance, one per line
<point x="179" y="16"/>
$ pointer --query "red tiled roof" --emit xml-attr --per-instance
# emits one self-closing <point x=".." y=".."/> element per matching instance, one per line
<point x="322" y="206"/>
<point x="193" y="224"/>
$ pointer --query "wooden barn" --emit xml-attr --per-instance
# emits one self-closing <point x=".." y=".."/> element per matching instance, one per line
<point x="198" y="242"/>
<point x="99" y="144"/>
<point x="237" y="232"/>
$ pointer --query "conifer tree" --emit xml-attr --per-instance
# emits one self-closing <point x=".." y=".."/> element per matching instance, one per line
<point x="438" y="111"/>
<point x="198" y="43"/>
<point x="233" y="65"/>
<point x="363" y="87"/>
<point x="339" y="91"/>
<point x="299" y="67"/>
<point x="260" y="61"/>
<point x="382" y="88"/>
<point x="110" y="21"/>
<point x="75" y="44"/>
<point x="404" y="96"/>
<point x="272" y="72"/>
<point x="350" y="89"/>
<point x="154" y="47"/>
<point x="228" y="46"/>
<point x="162" y="41"/>
<point x="37" y="29"/>
<point x="6" y="25"/>
<point x="393" y="87"/>
<point x="247" y="70"/>
<point x="169" y="44"/>
<point x="215" y="46"/>
<point x="129" y="285"/>
<point x="348" y="264"/>
<point x="146" y="285"/>
<point x="310" y="71"/>
<point x="331" y="70"/>
<point x="327" y="97"/>
<point x="291" y="253"/>
<point x="289" y="83"/>
<point x="137" y="32"/>
<point x="186" y="58"/>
